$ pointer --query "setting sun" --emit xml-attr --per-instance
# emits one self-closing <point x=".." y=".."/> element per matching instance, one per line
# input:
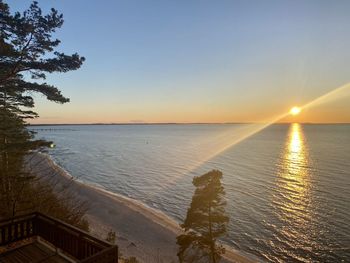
<point x="295" y="111"/>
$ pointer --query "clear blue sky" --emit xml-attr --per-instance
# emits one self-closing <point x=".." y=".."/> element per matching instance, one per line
<point x="199" y="61"/>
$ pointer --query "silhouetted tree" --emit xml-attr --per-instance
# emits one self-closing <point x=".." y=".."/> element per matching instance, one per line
<point x="15" y="142"/>
<point x="27" y="51"/>
<point x="205" y="222"/>
<point x="27" y="54"/>
<point x="21" y="190"/>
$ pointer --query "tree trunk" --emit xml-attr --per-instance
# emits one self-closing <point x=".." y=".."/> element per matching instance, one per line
<point x="212" y="245"/>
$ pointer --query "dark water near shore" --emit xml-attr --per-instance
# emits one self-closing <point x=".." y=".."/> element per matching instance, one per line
<point x="287" y="187"/>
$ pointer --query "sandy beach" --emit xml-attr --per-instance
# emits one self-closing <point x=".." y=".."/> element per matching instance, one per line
<point x="141" y="231"/>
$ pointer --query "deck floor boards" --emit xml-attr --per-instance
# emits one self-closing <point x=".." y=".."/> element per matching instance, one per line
<point x="32" y="253"/>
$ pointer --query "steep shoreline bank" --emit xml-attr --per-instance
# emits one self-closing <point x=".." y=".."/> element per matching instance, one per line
<point x="141" y="231"/>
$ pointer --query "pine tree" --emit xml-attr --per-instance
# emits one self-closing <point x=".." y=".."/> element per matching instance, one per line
<point x="27" y="54"/>
<point x="15" y="142"/>
<point x="205" y="222"/>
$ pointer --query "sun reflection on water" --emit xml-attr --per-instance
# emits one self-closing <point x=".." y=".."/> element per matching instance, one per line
<point x="293" y="180"/>
<point x="296" y="160"/>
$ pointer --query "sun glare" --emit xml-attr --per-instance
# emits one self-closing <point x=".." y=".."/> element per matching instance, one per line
<point x="295" y="111"/>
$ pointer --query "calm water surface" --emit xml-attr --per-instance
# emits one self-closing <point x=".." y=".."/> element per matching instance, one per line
<point x="287" y="187"/>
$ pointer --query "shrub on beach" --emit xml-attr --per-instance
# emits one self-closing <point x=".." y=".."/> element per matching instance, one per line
<point x="131" y="260"/>
<point x="111" y="236"/>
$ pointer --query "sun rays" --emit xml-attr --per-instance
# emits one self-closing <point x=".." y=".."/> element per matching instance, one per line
<point x="232" y="137"/>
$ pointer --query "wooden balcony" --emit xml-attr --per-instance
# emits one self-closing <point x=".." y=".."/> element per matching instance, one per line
<point x="51" y="240"/>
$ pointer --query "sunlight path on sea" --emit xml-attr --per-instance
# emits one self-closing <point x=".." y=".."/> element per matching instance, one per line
<point x="292" y="203"/>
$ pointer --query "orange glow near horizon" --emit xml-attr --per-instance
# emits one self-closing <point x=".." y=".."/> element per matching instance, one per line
<point x="331" y="107"/>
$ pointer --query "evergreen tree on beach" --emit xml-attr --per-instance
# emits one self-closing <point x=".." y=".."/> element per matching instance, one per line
<point x="27" y="54"/>
<point x="205" y="222"/>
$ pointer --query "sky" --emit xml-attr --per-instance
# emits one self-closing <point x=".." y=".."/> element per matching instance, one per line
<point x="200" y="61"/>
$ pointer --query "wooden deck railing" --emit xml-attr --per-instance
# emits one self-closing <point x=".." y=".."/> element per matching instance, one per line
<point x="16" y="229"/>
<point x="77" y="243"/>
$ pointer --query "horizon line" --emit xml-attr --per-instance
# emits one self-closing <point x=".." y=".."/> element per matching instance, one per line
<point x="177" y="123"/>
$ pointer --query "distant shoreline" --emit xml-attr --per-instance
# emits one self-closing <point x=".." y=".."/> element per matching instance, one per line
<point x="179" y="123"/>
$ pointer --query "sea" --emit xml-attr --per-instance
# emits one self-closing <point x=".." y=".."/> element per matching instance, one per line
<point x="287" y="185"/>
